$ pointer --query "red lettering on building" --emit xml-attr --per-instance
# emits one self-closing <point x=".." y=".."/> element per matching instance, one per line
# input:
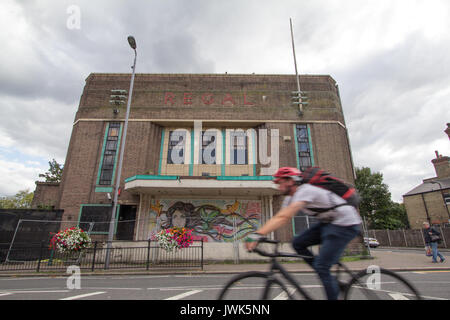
<point x="208" y="98"/>
<point x="187" y="98"/>
<point x="169" y="96"/>
<point x="247" y="103"/>
<point x="227" y="98"/>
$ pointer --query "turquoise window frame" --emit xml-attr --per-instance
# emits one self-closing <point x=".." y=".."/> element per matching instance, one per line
<point x="105" y="188"/>
<point x="161" y="150"/>
<point x="311" y="153"/>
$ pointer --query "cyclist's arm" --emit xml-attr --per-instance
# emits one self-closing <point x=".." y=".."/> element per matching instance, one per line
<point x="282" y="217"/>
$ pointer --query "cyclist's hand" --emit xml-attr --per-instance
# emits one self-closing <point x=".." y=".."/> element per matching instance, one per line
<point x="252" y="240"/>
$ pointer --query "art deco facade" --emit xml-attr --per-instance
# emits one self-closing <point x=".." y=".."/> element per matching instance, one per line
<point x="195" y="153"/>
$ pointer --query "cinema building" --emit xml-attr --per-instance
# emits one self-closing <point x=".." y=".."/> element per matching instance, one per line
<point x="199" y="153"/>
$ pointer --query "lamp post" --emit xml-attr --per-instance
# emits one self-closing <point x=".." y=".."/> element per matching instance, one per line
<point x="132" y="43"/>
<point x="443" y="198"/>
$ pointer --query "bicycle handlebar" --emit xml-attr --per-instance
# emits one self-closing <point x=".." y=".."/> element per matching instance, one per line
<point x="275" y="253"/>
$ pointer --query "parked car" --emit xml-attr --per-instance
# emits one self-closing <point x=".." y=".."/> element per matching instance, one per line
<point x="371" y="242"/>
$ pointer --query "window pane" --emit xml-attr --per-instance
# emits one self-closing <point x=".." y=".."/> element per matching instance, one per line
<point x="208" y="150"/>
<point x="239" y="147"/>
<point x="109" y="154"/>
<point x="175" y="150"/>
<point x="304" y="152"/>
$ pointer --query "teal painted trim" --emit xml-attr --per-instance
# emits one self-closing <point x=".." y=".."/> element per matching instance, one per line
<point x="191" y="164"/>
<point x="103" y="189"/>
<point x="310" y="145"/>
<point x="117" y="155"/>
<point x="159" y="177"/>
<point x="246" y="178"/>
<point x="254" y="151"/>
<point x="103" y="153"/>
<point x="116" y="221"/>
<point x="296" y="147"/>
<point x="161" y="151"/>
<point x="150" y="177"/>
<point x="224" y="149"/>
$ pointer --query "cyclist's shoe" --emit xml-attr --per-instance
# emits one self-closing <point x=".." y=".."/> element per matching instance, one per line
<point x="342" y="285"/>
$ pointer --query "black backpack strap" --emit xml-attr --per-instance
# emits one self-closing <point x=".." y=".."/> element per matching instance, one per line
<point x="322" y="210"/>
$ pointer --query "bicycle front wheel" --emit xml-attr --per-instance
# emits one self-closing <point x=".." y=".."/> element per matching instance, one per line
<point x="255" y="286"/>
<point x="380" y="284"/>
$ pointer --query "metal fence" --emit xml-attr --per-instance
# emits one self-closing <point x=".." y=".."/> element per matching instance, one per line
<point x="136" y="255"/>
<point x="407" y="238"/>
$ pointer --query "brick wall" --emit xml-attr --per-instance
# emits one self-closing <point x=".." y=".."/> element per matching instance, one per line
<point x="417" y="213"/>
<point x="45" y="195"/>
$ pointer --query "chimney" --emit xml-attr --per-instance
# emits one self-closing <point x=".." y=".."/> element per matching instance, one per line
<point x="441" y="166"/>
<point x="447" y="131"/>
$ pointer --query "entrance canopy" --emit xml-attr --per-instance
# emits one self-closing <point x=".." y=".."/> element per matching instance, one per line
<point x="202" y="186"/>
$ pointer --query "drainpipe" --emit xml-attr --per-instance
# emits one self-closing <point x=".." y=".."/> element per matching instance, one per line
<point x="426" y="209"/>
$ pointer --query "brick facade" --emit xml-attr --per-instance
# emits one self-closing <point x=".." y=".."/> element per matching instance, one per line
<point x="45" y="195"/>
<point x="163" y="101"/>
<point x="426" y="202"/>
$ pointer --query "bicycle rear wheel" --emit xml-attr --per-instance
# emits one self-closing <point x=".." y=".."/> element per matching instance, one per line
<point x="255" y="286"/>
<point x="380" y="284"/>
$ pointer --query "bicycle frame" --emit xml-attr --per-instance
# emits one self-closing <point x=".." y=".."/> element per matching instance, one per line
<point x="276" y="266"/>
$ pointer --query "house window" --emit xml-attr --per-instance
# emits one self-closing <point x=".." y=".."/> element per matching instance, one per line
<point x="304" y="151"/>
<point x="109" y="154"/>
<point x="239" y="147"/>
<point x="176" y="147"/>
<point x="208" y="150"/>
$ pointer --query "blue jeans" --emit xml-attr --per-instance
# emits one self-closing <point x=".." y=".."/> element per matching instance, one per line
<point x="435" y="252"/>
<point x="333" y="240"/>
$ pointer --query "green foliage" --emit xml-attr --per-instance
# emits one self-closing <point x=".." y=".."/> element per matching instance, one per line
<point x="22" y="200"/>
<point x="376" y="204"/>
<point x="54" y="173"/>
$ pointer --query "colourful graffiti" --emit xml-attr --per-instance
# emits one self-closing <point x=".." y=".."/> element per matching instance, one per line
<point x="215" y="220"/>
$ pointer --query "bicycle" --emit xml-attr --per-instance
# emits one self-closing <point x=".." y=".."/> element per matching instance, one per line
<point x="374" y="284"/>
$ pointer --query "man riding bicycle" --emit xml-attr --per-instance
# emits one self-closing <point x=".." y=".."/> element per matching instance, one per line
<point x="335" y="229"/>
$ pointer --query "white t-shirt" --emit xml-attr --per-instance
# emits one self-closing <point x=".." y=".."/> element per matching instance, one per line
<point x="316" y="197"/>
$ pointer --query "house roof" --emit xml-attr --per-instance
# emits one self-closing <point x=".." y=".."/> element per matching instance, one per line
<point x="430" y="185"/>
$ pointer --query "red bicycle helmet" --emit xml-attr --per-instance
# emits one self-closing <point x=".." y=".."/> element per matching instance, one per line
<point x="287" y="172"/>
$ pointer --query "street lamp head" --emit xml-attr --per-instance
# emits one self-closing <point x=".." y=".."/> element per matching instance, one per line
<point x="132" y="42"/>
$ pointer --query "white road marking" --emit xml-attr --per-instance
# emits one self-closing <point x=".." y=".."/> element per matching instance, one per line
<point x="38" y="291"/>
<point x="83" y="295"/>
<point x="5" y="294"/>
<point x="398" y="296"/>
<point x="283" y="295"/>
<point x="183" y="295"/>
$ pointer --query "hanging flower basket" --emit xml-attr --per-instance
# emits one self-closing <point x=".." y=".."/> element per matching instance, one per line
<point x="174" y="238"/>
<point x="70" y="240"/>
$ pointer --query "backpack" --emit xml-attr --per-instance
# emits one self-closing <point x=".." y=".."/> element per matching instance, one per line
<point x="319" y="178"/>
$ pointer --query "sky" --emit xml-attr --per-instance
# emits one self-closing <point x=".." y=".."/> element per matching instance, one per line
<point x="390" y="59"/>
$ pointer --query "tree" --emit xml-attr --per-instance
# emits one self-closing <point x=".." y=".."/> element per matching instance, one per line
<point x="22" y="200"/>
<point x="54" y="173"/>
<point x="376" y="204"/>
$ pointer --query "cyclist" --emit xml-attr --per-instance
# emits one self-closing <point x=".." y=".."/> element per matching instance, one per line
<point x="335" y="229"/>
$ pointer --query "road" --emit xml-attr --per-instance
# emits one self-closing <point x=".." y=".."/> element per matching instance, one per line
<point x="431" y="284"/>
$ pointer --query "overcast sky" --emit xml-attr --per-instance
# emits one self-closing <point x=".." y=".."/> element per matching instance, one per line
<point x="390" y="58"/>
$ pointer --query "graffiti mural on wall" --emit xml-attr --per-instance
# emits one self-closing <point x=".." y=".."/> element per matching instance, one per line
<point x="214" y="220"/>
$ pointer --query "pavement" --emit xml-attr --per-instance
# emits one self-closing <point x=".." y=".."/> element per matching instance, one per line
<point x="388" y="258"/>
